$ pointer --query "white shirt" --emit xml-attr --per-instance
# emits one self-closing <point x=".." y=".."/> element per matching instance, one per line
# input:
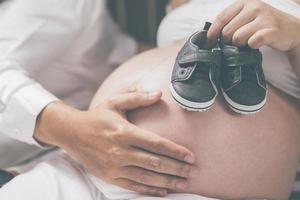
<point x="191" y="17"/>
<point x="52" y="49"/>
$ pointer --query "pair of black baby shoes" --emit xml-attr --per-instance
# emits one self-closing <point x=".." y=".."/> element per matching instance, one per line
<point x="204" y="67"/>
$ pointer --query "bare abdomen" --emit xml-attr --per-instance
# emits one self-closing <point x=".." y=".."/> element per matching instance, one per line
<point x="238" y="156"/>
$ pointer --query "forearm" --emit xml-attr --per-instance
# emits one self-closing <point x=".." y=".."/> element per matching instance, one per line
<point x="55" y="124"/>
<point x="33" y="34"/>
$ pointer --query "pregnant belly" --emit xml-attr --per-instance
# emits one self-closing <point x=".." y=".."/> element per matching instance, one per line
<point x="238" y="156"/>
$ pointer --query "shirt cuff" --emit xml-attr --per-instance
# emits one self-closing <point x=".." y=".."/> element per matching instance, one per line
<point x="21" y="111"/>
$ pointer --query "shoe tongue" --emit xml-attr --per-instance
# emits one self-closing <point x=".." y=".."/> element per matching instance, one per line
<point x="249" y="73"/>
<point x="202" y="42"/>
<point x="208" y="44"/>
<point x="202" y="71"/>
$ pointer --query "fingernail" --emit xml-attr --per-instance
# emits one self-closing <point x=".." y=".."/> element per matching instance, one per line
<point x="181" y="185"/>
<point x="153" y="94"/>
<point x="189" y="159"/>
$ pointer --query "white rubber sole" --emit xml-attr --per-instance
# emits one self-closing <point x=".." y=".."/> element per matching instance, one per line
<point x="243" y="109"/>
<point x="189" y="105"/>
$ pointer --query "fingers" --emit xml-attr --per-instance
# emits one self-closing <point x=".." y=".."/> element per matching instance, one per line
<point x="161" y="164"/>
<point x="243" y="34"/>
<point x="128" y="90"/>
<point x="243" y="18"/>
<point x="140" y="188"/>
<point x="133" y="100"/>
<point x="261" y="38"/>
<point x="153" y="179"/>
<point x="153" y="143"/>
<point x="253" y="22"/>
<point x="223" y="19"/>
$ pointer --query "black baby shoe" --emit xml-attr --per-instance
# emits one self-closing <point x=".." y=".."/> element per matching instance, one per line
<point x="242" y="79"/>
<point x="194" y="77"/>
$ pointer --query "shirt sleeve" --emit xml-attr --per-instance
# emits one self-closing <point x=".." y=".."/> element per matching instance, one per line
<point x="33" y="33"/>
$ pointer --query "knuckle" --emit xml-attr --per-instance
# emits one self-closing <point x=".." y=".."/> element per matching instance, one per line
<point x="221" y="19"/>
<point x="236" y="39"/>
<point x="170" y="183"/>
<point x="227" y="32"/>
<point x="262" y="38"/>
<point x="120" y="131"/>
<point x="143" y="177"/>
<point x="158" y="145"/>
<point x="137" y="187"/>
<point x="252" y="44"/>
<point x="115" y="155"/>
<point x="154" y="163"/>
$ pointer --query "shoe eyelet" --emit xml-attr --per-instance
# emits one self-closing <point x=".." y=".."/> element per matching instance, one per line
<point x="182" y="72"/>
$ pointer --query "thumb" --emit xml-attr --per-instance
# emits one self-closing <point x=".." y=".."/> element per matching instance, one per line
<point x="133" y="100"/>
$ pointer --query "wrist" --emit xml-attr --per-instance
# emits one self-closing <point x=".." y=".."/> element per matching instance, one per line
<point x="54" y="124"/>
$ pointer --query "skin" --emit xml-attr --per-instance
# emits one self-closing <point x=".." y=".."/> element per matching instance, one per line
<point x="87" y="135"/>
<point x="258" y="24"/>
<point x="238" y="156"/>
<point x="176" y="3"/>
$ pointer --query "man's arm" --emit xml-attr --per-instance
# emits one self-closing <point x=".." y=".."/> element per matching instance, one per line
<point x="33" y="33"/>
